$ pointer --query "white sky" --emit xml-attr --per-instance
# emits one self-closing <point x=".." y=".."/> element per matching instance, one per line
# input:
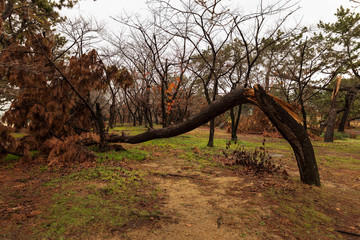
<point x="311" y="12"/>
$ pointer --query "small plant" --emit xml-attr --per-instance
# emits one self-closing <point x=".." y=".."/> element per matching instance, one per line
<point x="255" y="161"/>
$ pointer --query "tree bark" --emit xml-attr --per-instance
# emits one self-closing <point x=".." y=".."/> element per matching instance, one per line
<point x="235" y="118"/>
<point x="294" y="132"/>
<point x="211" y="133"/>
<point x="233" y="130"/>
<point x="282" y="118"/>
<point x="218" y="107"/>
<point x="112" y="117"/>
<point x="101" y="128"/>
<point x="164" y="97"/>
<point x="329" y="134"/>
<point x="349" y="99"/>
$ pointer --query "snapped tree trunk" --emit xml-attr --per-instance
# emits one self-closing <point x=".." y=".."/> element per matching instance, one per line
<point x="330" y="128"/>
<point x="278" y="111"/>
<point x="294" y="132"/>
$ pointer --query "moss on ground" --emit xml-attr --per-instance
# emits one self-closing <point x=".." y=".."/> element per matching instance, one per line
<point x="105" y="198"/>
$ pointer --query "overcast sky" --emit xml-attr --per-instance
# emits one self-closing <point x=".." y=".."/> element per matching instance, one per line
<point x="311" y="11"/>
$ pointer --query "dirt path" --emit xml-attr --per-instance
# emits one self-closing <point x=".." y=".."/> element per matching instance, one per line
<point x="196" y="203"/>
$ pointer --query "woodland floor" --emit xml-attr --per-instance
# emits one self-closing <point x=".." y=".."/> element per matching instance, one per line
<point x="179" y="189"/>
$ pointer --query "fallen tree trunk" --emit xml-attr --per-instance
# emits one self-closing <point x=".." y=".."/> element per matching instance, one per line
<point x="218" y="107"/>
<point x="279" y="112"/>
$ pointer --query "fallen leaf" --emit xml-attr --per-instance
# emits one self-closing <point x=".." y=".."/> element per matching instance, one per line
<point x="35" y="213"/>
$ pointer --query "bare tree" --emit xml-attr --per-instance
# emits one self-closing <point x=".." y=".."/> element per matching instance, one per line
<point x="81" y="34"/>
<point x="213" y="28"/>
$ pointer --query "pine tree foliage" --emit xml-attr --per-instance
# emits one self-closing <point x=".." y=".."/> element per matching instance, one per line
<point x="47" y="105"/>
<point x="54" y="97"/>
<point x="68" y="151"/>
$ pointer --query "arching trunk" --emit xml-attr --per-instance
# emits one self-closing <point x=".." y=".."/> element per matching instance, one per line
<point x="278" y="111"/>
<point x="293" y="131"/>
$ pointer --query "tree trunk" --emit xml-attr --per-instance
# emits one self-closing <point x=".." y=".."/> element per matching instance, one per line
<point x="330" y="128"/>
<point x="349" y="99"/>
<point x="148" y="118"/>
<point x="267" y="75"/>
<point x="156" y="117"/>
<point x="218" y="107"/>
<point x="164" y="97"/>
<point x="212" y="122"/>
<point x="140" y="117"/>
<point x="121" y="116"/>
<point x="147" y="109"/>
<point x="112" y="115"/>
<point x="101" y="128"/>
<point x="303" y="112"/>
<point x="293" y="131"/>
<point x="134" y="120"/>
<point x="233" y="129"/>
<point x="235" y="121"/>
<point x="287" y="123"/>
<point x="211" y="133"/>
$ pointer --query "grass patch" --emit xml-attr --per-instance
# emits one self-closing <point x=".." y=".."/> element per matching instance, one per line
<point x="193" y="149"/>
<point x="10" y="158"/>
<point x="104" y="198"/>
<point x="131" y="130"/>
<point x="339" y="135"/>
<point x="9" y="161"/>
<point x="297" y="213"/>
<point x="128" y="155"/>
<point x="339" y="146"/>
<point x="340" y="162"/>
<point x="17" y="135"/>
<point x="340" y="154"/>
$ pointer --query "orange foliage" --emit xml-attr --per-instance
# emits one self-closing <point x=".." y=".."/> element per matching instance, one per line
<point x="71" y="150"/>
<point x="170" y="95"/>
<point x="255" y="123"/>
<point x="47" y="106"/>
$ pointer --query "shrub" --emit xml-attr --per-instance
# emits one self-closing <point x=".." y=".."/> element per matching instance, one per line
<point x="254" y="161"/>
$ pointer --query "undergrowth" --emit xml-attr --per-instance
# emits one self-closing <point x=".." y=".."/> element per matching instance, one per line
<point x="253" y="161"/>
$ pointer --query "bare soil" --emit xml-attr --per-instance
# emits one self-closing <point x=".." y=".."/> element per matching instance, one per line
<point x="212" y="202"/>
